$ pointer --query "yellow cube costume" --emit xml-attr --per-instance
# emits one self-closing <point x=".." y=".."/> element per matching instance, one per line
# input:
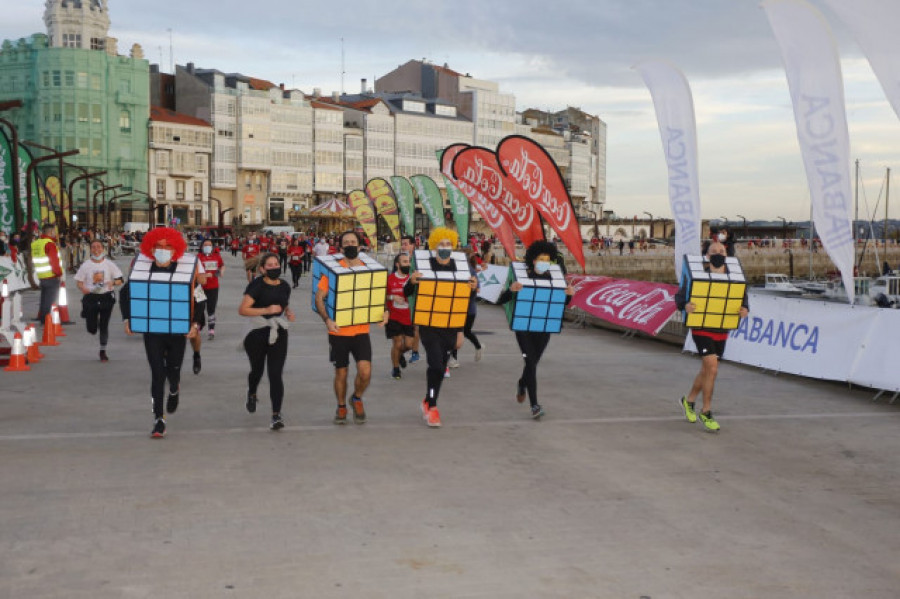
<point x="355" y="294"/>
<point x="442" y="297"/>
<point x="717" y="297"/>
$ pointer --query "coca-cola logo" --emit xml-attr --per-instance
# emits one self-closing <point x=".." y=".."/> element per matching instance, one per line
<point x="529" y="173"/>
<point x="626" y="303"/>
<point x="479" y="169"/>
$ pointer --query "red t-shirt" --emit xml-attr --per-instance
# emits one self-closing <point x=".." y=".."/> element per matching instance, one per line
<point x="235" y="244"/>
<point x="295" y="254"/>
<point x="250" y="250"/>
<point x="398" y="306"/>
<point x="212" y="263"/>
<point x="714" y="335"/>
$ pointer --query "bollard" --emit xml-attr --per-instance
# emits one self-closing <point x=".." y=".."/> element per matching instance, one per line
<point x="49" y="338"/>
<point x="32" y="353"/>
<point x="17" y="358"/>
<point x="57" y="325"/>
<point x="64" y="305"/>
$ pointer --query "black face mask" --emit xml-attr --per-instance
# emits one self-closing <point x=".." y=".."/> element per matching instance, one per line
<point x="717" y="260"/>
<point x="273" y="273"/>
<point x="350" y="252"/>
<point x="404" y="269"/>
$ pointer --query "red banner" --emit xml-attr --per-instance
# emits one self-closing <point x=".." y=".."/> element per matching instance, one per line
<point x="487" y="209"/>
<point x="479" y="168"/>
<point x="640" y="305"/>
<point x="532" y="175"/>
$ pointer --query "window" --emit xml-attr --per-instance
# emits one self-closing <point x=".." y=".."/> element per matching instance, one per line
<point x="200" y="163"/>
<point x="82" y="80"/>
<point x="82" y="112"/>
<point x="71" y="40"/>
<point x="125" y="121"/>
<point x="45" y="78"/>
<point x="95" y="114"/>
<point x="97" y="43"/>
<point x="125" y="86"/>
<point x="69" y="116"/>
<point x="247" y="181"/>
<point x="96" y="147"/>
<point x="57" y="78"/>
<point x="70" y="78"/>
<point x="258" y="182"/>
<point x="57" y="112"/>
<point x="179" y="190"/>
<point x="162" y="159"/>
<point x="198" y="191"/>
<point x="46" y="113"/>
<point x="95" y="81"/>
<point x="83" y="145"/>
<point x="160" y="189"/>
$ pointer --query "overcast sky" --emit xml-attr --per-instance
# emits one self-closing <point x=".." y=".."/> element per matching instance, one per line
<point x="550" y="55"/>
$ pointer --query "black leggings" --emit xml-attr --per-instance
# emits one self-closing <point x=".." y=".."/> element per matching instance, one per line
<point x="212" y="299"/>
<point x="468" y="334"/>
<point x="307" y="261"/>
<point x="97" y="308"/>
<point x="256" y="344"/>
<point x="532" y="346"/>
<point x="165" y="353"/>
<point x="438" y="344"/>
<point x="296" y="271"/>
<point x="282" y="257"/>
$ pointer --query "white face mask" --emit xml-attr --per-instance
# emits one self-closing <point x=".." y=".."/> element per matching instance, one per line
<point x="722" y="237"/>
<point x="207" y="249"/>
<point x="98" y="257"/>
<point x="541" y="267"/>
<point x="162" y="256"/>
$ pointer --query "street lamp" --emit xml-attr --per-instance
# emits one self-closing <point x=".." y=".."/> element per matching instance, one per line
<point x="745" y="225"/>
<point x="93" y="208"/>
<point x="222" y="213"/>
<point x="87" y="200"/>
<point x="33" y="164"/>
<point x="651" y="223"/>
<point x="112" y="205"/>
<point x="783" y="227"/>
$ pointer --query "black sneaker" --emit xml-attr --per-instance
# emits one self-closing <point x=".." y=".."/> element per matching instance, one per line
<point x="172" y="403"/>
<point x="103" y="356"/>
<point x="277" y="423"/>
<point x="159" y="429"/>
<point x="537" y="411"/>
<point x="251" y="402"/>
<point x="402" y="361"/>
<point x="196" y="363"/>
<point x="396" y="373"/>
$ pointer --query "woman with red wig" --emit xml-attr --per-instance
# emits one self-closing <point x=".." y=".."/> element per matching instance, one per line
<point x="159" y="302"/>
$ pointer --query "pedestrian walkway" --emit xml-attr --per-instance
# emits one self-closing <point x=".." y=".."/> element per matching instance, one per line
<point x="612" y="494"/>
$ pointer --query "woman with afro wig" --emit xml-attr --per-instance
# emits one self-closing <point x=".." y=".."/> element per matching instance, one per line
<point x="539" y="256"/>
<point x="438" y="342"/>
<point x="165" y="247"/>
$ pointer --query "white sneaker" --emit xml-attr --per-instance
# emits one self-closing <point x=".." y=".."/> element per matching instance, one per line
<point x="452" y="363"/>
<point x="479" y="353"/>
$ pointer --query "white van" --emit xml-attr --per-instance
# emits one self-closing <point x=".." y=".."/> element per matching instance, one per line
<point x="135" y="227"/>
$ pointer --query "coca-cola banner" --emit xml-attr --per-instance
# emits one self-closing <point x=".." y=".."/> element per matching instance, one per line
<point x="533" y="176"/>
<point x="640" y="305"/>
<point x="479" y="168"/>
<point x="489" y="211"/>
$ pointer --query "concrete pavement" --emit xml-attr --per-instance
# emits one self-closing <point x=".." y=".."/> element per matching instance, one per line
<point x="612" y="495"/>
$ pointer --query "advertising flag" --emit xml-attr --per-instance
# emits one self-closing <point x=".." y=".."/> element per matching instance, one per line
<point x="874" y="25"/>
<point x="674" y="106"/>
<point x="406" y="203"/>
<point x="382" y="196"/>
<point x="365" y="214"/>
<point x="489" y="211"/>
<point x="459" y="206"/>
<point x="430" y="198"/>
<point x="478" y="168"/>
<point x="50" y="199"/>
<point x="534" y="176"/>
<point x="25" y="159"/>
<point x="814" y="78"/>
<point x="7" y="202"/>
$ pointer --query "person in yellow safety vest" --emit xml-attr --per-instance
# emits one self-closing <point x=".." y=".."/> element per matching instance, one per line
<point x="45" y="257"/>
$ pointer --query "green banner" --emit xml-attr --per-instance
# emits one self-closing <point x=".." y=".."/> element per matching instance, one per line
<point x="406" y="202"/>
<point x="382" y="197"/>
<point x="459" y="206"/>
<point x="25" y="159"/>
<point x="7" y="202"/>
<point x="430" y="198"/>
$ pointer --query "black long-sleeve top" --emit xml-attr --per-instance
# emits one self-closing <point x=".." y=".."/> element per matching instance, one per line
<point x="125" y="295"/>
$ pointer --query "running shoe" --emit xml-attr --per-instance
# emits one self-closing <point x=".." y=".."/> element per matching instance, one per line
<point x="277" y="423"/>
<point x="434" y="418"/>
<point x="452" y="362"/>
<point x="159" y="429"/>
<point x="709" y="422"/>
<point x="103" y="356"/>
<point x="414" y="357"/>
<point x="196" y="363"/>
<point x="402" y="361"/>
<point x="447" y="373"/>
<point x="251" y="402"/>
<point x="479" y="353"/>
<point x="520" y="392"/>
<point x="359" y="411"/>
<point x="425" y="409"/>
<point x="688" y="406"/>
<point x="537" y="411"/>
<point x="172" y="403"/>
<point x="395" y="373"/>
<point x="212" y="334"/>
<point x="340" y="415"/>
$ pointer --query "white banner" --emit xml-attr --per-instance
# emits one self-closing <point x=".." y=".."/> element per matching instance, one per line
<point x="491" y="282"/>
<point x="822" y="340"/>
<point x="15" y="275"/>
<point x="874" y="25"/>
<point x="817" y="92"/>
<point x="678" y="128"/>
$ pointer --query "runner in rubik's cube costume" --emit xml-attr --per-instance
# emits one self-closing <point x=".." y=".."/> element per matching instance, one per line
<point x="439" y="290"/>
<point x="535" y="301"/>
<point x="159" y="302"/>
<point x="348" y="293"/>
<point x="713" y="295"/>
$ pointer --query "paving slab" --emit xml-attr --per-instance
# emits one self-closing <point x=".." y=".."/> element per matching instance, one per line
<point x="612" y="494"/>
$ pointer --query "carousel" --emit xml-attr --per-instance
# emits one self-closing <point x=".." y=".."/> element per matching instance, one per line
<point x="331" y="216"/>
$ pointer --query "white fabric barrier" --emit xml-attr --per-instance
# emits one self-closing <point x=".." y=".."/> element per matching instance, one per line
<point x="817" y="339"/>
<point x="491" y="282"/>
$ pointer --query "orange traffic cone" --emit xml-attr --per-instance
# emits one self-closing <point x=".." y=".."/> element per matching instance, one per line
<point x="32" y="353"/>
<point x="49" y="338"/>
<point x="64" y="304"/>
<point x="17" y="358"/>
<point x="57" y="325"/>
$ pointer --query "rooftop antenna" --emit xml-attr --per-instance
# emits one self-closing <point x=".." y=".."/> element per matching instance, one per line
<point x="171" y="53"/>
<point x="343" y="71"/>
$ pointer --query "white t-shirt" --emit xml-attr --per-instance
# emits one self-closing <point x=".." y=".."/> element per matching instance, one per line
<point x="321" y="249"/>
<point x="98" y="276"/>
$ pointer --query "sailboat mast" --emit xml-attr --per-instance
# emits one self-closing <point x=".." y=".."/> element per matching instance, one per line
<point x="887" y="194"/>
<point x="856" y="202"/>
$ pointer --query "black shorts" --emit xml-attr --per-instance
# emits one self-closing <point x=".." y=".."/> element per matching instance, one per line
<point x="394" y="328"/>
<point x="707" y="345"/>
<point x="341" y="348"/>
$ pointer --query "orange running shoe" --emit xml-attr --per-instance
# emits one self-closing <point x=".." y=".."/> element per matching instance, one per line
<point x="425" y="409"/>
<point x="359" y="412"/>
<point x="340" y="415"/>
<point x="434" y="418"/>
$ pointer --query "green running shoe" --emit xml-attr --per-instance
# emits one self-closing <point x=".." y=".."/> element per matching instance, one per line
<point x="709" y="422"/>
<point x="688" y="407"/>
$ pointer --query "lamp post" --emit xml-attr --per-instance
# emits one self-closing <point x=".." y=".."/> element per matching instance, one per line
<point x="34" y="163"/>
<point x="151" y="211"/>
<point x="745" y="225"/>
<point x="62" y="184"/>
<point x="783" y="227"/>
<point x="222" y="213"/>
<point x="87" y="194"/>
<point x="651" y="223"/>
<point x="110" y="205"/>
<point x="93" y="209"/>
